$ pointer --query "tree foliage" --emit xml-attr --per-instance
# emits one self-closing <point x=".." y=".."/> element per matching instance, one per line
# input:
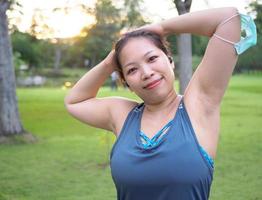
<point x="25" y="45"/>
<point x="251" y="59"/>
<point x="132" y="14"/>
<point x="256" y="8"/>
<point x="104" y="32"/>
<point x="94" y="43"/>
<point x="31" y="49"/>
<point x="96" y="40"/>
<point x="109" y="22"/>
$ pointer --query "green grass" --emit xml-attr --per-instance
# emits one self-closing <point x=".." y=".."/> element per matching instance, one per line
<point x="70" y="159"/>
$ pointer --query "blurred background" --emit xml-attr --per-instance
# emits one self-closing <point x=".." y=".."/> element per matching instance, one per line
<point x="60" y="39"/>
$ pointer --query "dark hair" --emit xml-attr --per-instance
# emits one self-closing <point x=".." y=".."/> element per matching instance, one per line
<point x="156" y="39"/>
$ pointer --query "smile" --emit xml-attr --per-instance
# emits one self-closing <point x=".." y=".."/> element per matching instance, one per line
<point x="153" y="84"/>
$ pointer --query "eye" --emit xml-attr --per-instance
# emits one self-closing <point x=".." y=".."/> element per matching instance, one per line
<point x="131" y="70"/>
<point x="152" y="58"/>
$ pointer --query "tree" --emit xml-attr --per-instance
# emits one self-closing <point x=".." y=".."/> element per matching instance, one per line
<point x="184" y="46"/>
<point x="74" y="56"/>
<point x="109" y="22"/>
<point x="10" y="123"/>
<point x="30" y="50"/>
<point x="41" y="30"/>
<point x="251" y="59"/>
<point x="256" y="7"/>
<point x="25" y="44"/>
<point x="101" y="35"/>
<point x="62" y="44"/>
<point x="132" y="14"/>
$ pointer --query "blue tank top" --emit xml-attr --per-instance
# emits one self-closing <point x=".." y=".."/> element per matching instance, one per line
<point x="174" y="168"/>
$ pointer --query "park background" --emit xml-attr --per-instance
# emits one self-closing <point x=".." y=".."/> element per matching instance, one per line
<point x="57" y="157"/>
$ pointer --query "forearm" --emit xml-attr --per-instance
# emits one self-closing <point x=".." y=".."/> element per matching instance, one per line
<point x="200" y="23"/>
<point x="88" y="86"/>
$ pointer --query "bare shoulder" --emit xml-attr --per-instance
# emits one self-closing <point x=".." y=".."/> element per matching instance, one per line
<point x="205" y="119"/>
<point x="106" y="113"/>
<point x="119" y="112"/>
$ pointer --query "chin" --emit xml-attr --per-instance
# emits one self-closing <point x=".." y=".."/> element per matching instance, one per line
<point x="155" y="98"/>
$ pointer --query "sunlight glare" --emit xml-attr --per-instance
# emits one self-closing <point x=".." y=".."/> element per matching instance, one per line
<point x="70" y="24"/>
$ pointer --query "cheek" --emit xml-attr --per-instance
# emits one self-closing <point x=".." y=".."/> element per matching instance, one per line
<point x="172" y="75"/>
<point x="166" y="68"/>
<point x="169" y="72"/>
<point x="132" y="81"/>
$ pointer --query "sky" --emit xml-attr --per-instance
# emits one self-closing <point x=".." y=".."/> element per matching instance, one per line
<point x="71" y="24"/>
<point x="159" y="9"/>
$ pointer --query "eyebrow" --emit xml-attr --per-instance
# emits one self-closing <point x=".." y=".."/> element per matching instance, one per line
<point x="131" y="63"/>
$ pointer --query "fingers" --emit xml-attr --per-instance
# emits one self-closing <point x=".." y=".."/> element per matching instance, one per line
<point x="156" y="28"/>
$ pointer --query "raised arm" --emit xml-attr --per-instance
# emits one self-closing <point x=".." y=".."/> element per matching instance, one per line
<point x="211" y="78"/>
<point x="82" y="103"/>
<point x="206" y="88"/>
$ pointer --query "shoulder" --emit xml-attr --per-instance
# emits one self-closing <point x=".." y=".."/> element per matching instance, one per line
<point x="121" y="103"/>
<point x="106" y="112"/>
<point x="119" y="111"/>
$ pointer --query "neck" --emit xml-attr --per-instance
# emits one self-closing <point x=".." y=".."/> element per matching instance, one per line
<point x="163" y="106"/>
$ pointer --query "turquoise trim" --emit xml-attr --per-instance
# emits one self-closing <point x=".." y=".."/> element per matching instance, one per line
<point x="207" y="157"/>
<point x="149" y="143"/>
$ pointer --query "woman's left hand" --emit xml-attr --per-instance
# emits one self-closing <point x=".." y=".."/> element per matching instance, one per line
<point x="156" y="28"/>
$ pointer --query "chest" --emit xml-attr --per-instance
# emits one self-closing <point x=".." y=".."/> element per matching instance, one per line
<point x="177" y="163"/>
<point x="151" y="129"/>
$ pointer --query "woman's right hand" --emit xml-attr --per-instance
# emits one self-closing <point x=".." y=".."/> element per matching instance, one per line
<point x="110" y="61"/>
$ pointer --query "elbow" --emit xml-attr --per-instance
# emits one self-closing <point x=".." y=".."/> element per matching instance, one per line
<point x="67" y="102"/>
<point x="227" y="18"/>
<point x="69" y="106"/>
<point x="226" y="13"/>
<point x="231" y="11"/>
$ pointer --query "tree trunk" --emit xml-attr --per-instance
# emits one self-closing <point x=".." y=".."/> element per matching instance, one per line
<point x="58" y="55"/>
<point x="185" y="60"/>
<point x="9" y="116"/>
<point x="184" y="46"/>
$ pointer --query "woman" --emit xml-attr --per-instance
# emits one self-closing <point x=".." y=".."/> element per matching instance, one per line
<point x="165" y="146"/>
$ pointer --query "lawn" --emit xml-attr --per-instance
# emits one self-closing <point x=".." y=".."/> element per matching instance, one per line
<point x="70" y="160"/>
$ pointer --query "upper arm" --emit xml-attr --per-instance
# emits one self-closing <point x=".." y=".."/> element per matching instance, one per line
<point x="101" y="112"/>
<point x="211" y="78"/>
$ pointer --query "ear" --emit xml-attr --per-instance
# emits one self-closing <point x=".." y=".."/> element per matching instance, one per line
<point x="130" y="89"/>
<point x="125" y="84"/>
<point x="171" y="62"/>
<point x="170" y="59"/>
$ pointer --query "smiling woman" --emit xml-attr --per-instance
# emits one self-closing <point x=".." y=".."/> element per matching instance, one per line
<point x="159" y="140"/>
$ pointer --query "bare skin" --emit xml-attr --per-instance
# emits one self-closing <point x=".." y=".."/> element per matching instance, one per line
<point x="150" y="76"/>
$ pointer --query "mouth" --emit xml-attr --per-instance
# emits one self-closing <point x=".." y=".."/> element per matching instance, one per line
<point x="153" y="84"/>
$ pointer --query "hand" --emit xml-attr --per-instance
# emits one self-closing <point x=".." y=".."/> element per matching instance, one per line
<point x="156" y="28"/>
<point x="110" y="61"/>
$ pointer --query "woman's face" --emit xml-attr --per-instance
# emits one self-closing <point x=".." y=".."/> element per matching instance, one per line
<point x="147" y="70"/>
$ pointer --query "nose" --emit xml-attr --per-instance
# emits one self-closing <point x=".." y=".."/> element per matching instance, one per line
<point x="147" y="72"/>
